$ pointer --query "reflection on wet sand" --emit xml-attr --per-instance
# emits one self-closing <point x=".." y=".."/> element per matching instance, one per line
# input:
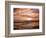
<point x="26" y="18"/>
